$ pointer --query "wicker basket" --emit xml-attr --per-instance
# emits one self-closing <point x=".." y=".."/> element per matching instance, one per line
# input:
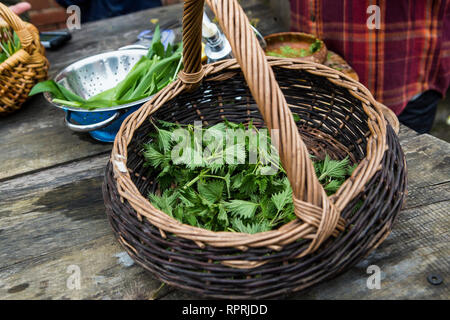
<point x="338" y="115"/>
<point x="21" y="71"/>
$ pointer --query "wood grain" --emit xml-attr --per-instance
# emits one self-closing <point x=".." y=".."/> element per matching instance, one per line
<point x="106" y="272"/>
<point x="51" y="210"/>
<point x="52" y="213"/>
<point x="36" y="138"/>
<point x="55" y="218"/>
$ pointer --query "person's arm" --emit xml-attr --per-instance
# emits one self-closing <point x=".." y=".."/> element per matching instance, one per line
<point x="20" y="8"/>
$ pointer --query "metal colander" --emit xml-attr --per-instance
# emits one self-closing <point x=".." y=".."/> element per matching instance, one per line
<point x="95" y="74"/>
<point x="90" y="76"/>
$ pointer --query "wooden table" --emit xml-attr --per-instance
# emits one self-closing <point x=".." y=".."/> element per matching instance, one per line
<point x="53" y="222"/>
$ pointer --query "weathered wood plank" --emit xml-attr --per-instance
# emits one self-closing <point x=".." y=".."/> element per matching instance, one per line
<point x="51" y="210"/>
<point x="428" y="160"/>
<point x="406" y="133"/>
<point x="106" y="272"/>
<point x="54" y="218"/>
<point x="35" y="137"/>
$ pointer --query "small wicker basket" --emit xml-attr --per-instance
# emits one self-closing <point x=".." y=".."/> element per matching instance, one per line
<point x="338" y="115"/>
<point x="22" y="70"/>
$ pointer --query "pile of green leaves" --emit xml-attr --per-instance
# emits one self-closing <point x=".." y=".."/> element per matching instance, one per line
<point x="287" y="51"/>
<point x="149" y="75"/>
<point x="227" y="197"/>
<point x="9" y="43"/>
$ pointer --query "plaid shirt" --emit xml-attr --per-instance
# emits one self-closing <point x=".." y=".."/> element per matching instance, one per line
<point x="407" y="55"/>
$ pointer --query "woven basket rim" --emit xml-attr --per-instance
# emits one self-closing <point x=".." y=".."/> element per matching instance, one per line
<point x="29" y="62"/>
<point x="200" y="236"/>
<point x="16" y="56"/>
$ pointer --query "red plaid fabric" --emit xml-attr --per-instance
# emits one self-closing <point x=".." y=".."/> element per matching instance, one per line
<point x="408" y="55"/>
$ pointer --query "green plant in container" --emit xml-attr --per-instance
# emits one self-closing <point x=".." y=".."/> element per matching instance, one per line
<point x="150" y="74"/>
<point x="9" y="43"/>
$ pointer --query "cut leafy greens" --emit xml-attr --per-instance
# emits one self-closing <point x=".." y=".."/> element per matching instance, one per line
<point x="226" y="197"/>
<point x="287" y="51"/>
<point x="149" y="75"/>
<point x="9" y="43"/>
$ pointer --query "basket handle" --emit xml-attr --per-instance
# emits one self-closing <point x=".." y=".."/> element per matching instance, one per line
<point x="312" y="204"/>
<point x="20" y="27"/>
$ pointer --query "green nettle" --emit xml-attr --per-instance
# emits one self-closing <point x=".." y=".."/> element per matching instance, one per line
<point x="149" y="75"/>
<point x="222" y="195"/>
<point x="287" y="51"/>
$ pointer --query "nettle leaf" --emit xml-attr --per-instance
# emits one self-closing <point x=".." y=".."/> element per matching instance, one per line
<point x="211" y="191"/>
<point x="242" y="208"/>
<point x="267" y="170"/>
<point x="204" y="213"/>
<point x="227" y="196"/>
<point x="227" y="180"/>
<point x="235" y="154"/>
<point x="268" y="208"/>
<point x="351" y="169"/>
<point x="249" y="185"/>
<point x="215" y="136"/>
<point x="251" y="228"/>
<point x="231" y="125"/>
<point x="223" y="216"/>
<point x="282" y="198"/>
<point x="333" y="186"/>
<point x="178" y="213"/>
<point x="262" y="184"/>
<point x="333" y="168"/>
<point x="318" y="168"/>
<point x="191" y="219"/>
<point x="164" y="139"/>
<point x="165" y="202"/>
<point x="153" y="156"/>
<point x="170" y="125"/>
<point x="188" y="197"/>
<point x="287" y="214"/>
<point x="165" y="181"/>
<point x="237" y="181"/>
<point x="215" y="167"/>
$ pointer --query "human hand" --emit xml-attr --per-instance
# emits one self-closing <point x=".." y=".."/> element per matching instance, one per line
<point x="20" y="7"/>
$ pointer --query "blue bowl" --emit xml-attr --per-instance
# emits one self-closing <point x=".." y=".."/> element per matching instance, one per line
<point x="108" y="133"/>
<point x="90" y="76"/>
